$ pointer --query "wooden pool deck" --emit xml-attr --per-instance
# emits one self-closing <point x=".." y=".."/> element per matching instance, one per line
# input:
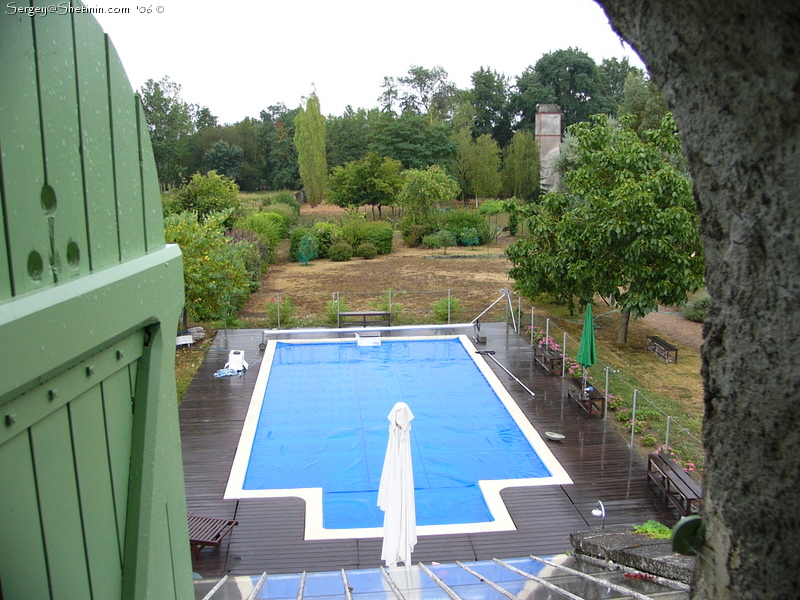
<point x="269" y="536"/>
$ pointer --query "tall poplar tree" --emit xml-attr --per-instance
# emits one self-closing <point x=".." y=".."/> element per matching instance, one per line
<point x="309" y="138"/>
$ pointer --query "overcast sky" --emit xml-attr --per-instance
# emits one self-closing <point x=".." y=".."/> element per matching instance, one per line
<point x="240" y="57"/>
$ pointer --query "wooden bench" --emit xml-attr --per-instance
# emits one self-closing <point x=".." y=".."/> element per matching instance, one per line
<point x="676" y="485"/>
<point x="364" y="317"/>
<point x="550" y="360"/>
<point x="207" y="531"/>
<point x="590" y="400"/>
<point x="662" y="349"/>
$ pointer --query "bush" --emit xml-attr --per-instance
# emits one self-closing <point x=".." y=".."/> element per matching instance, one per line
<point x="431" y="241"/>
<point x="332" y="310"/>
<point x="443" y="239"/>
<point x="215" y="275"/>
<point x="696" y="311"/>
<point x="280" y="315"/>
<point x="386" y="303"/>
<point x="366" y="250"/>
<point x="269" y="227"/>
<point x="303" y="245"/>
<point x="340" y="252"/>
<point x="459" y="220"/>
<point x="446" y="309"/>
<point x="327" y="235"/>
<point x="206" y="195"/>
<point x="285" y="211"/>
<point x="283" y="197"/>
<point x="468" y="237"/>
<point x="379" y="233"/>
<point x="413" y="233"/>
<point x="257" y="259"/>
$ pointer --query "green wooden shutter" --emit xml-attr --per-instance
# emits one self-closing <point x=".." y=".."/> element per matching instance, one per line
<point x="92" y="504"/>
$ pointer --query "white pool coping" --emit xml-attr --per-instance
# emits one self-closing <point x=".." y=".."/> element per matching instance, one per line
<point x="314" y="529"/>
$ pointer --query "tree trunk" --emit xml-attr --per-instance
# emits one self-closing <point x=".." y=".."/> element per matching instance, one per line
<point x="622" y="334"/>
<point x="729" y="70"/>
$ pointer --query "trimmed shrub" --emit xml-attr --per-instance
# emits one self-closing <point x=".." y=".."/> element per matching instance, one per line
<point x="258" y="258"/>
<point x="366" y="250"/>
<point x="491" y="207"/>
<point x="381" y="235"/>
<point x="340" y="252"/>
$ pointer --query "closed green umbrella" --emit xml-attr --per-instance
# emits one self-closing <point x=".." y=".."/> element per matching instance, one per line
<point x="587" y="351"/>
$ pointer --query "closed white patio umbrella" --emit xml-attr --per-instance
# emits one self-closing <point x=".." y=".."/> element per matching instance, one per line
<point x="396" y="490"/>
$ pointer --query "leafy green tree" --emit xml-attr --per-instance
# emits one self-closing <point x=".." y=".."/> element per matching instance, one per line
<point x="373" y="180"/>
<point x="348" y="137"/>
<point x="169" y="121"/>
<point x="411" y="139"/>
<point x="309" y="139"/>
<point x="569" y="78"/>
<point x="521" y="177"/>
<point x="427" y="92"/>
<point x="614" y="72"/>
<point x="422" y="192"/>
<point x="224" y="158"/>
<point x="214" y="267"/>
<point x="490" y="98"/>
<point x="462" y="158"/>
<point x="625" y="227"/>
<point x="643" y="101"/>
<point x="277" y="138"/>
<point x="483" y="171"/>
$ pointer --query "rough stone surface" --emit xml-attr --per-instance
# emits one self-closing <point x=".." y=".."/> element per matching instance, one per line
<point x="636" y="551"/>
<point x="730" y="70"/>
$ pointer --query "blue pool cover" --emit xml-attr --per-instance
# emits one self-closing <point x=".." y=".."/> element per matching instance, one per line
<point x="323" y="423"/>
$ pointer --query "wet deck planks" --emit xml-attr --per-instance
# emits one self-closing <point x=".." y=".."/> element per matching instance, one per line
<point x="270" y="532"/>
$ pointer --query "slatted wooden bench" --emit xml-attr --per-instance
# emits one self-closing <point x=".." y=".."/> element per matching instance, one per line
<point x="662" y="349"/>
<point x="207" y="531"/>
<point x="675" y="484"/>
<point x="591" y="400"/>
<point x="364" y="317"/>
<point x="550" y="360"/>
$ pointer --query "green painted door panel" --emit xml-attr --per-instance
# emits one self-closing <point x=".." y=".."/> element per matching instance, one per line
<point x="61" y="138"/>
<point x="153" y="215"/>
<point x="23" y="566"/>
<point x="118" y="408"/>
<point x="96" y="492"/>
<point x="22" y="165"/>
<point x="51" y="445"/>
<point x="98" y="166"/>
<point x="128" y="186"/>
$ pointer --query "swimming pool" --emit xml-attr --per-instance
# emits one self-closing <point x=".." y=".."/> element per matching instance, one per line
<point x="317" y="429"/>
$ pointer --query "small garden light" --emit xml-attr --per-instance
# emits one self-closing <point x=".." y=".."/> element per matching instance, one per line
<point x="600" y="511"/>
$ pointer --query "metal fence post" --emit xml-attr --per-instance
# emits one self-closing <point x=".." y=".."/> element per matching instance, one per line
<point x="564" y="357"/>
<point x="666" y="441"/>
<point x="633" y="416"/>
<point x="532" y="315"/>
<point x="605" y="411"/>
<point x="448" y="307"/>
